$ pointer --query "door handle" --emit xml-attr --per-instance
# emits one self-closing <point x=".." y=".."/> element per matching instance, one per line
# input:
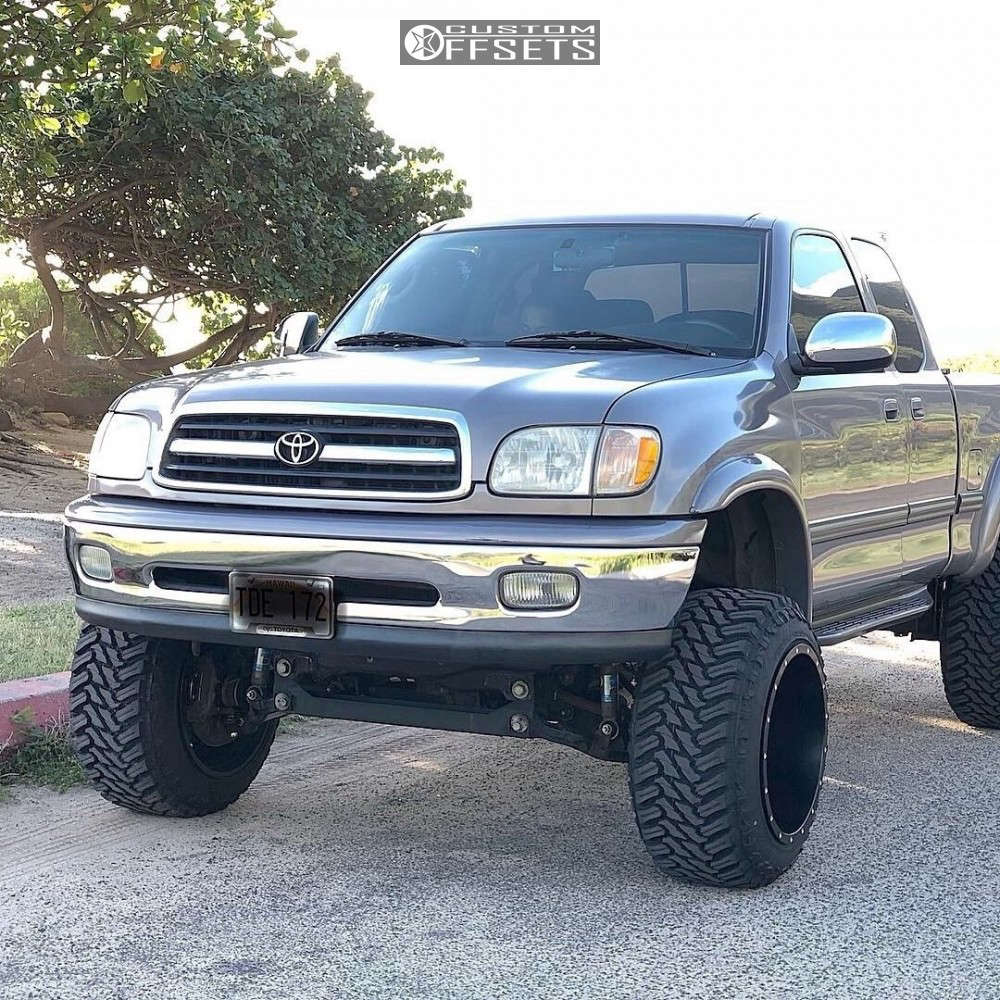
<point x="891" y="409"/>
<point x="917" y="408"/>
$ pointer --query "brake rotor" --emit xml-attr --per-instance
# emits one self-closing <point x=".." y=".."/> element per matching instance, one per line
<point x="212" y="704"/>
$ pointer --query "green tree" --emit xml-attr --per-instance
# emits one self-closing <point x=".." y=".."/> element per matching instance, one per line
<point x="52" y="50"/>
<point x="236" y="185"/>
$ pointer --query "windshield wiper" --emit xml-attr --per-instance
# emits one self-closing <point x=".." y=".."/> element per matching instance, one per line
<point x="397" y="338"/>
<point x="613" y="341"/>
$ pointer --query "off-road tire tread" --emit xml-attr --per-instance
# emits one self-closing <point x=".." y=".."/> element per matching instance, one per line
<point x="109" y="672"/>
<point x="970" y="647"/>
<point x="681" y="751"/>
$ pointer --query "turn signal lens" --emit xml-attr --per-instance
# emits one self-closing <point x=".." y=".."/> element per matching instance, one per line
<point x="627" y="460"/>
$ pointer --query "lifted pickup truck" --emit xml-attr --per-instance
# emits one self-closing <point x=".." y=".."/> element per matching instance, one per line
<point x="609" y="482"/>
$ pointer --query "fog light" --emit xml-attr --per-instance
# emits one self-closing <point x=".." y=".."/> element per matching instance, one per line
<point x="95" y="562"/>
<point x="538" y="590"/>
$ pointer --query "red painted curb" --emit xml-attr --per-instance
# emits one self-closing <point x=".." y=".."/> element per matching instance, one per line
<point x="46" y="698"/>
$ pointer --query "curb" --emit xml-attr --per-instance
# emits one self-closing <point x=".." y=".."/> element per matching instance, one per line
<point x="44" y="699"/>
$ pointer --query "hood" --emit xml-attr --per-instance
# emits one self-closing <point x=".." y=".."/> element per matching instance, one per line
<point x="497" y="390"/>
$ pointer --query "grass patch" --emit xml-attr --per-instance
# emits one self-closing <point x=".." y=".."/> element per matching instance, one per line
<point x="46" y="758"/>
<point x="294" y="725"/>
<point x="36" y="639"/>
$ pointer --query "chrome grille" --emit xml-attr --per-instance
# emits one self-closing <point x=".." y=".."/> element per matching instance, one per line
<point x="362" y="454"/>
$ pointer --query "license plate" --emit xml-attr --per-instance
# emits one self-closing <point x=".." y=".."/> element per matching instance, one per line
<point x="281" y="605"/>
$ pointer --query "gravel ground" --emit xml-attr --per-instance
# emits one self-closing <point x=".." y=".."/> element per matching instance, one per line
<point x="32" y="563"/>
<point x="33" y="495"/>
<point x="375" y="862"/>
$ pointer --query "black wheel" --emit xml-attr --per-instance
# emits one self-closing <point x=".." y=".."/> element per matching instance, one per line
<point x="728" y="740"/>
<point x="970" y="647"/>
<point x="158" y="730"/>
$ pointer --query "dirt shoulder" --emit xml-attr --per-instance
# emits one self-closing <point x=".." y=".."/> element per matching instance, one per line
<point x="42" y="468"/>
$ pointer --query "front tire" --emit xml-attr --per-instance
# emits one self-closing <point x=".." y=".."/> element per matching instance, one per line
<point x="728" y="740"/>
<point x="159" y="731"/>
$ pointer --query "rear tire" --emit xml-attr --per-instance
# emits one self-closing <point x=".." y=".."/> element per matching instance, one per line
<point x="134" y="728"/>
<point x="970" y="647"/>
<point x="728" y="740"/>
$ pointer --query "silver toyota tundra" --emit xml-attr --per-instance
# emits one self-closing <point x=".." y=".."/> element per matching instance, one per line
<point x="608" y="482"/>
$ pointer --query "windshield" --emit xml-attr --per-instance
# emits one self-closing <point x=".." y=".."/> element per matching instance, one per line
<point x="696" y="285"/>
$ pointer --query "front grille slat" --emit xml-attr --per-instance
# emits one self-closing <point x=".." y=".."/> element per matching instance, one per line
<point x="224" y="429"/>
<point x="318" y="471"/>
<point x="237" y="450"/>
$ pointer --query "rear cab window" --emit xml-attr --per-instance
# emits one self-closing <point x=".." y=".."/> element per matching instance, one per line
<point x="893" y="302"/>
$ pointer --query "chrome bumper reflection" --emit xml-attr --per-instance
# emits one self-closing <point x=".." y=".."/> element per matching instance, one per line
<point x="621" y="589"/>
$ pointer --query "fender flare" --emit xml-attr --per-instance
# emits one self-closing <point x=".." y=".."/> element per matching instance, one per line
<point x="735" y="477"/>
<point x="985" y="528"/>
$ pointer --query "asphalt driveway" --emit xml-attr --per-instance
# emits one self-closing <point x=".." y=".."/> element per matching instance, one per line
<point x="375" y="862"/>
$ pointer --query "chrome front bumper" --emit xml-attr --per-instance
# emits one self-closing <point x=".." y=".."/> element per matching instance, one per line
<point x="629" y="587"/>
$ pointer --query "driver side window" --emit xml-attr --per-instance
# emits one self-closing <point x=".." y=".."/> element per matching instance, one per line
<point x="822" y="283"/>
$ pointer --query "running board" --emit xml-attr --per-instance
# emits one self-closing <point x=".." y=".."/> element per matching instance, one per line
<point x="911" y="606"/>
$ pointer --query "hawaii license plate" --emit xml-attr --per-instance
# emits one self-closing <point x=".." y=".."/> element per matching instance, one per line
<point x="281" y="605"/>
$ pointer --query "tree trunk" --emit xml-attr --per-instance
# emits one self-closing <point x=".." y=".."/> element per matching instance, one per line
<point x="54" y="336"/>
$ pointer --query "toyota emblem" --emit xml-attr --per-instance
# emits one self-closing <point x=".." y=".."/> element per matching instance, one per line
<point x="297" y="448"/>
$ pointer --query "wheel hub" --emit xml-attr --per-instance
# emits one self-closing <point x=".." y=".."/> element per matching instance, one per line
<point x="213" y="704"/>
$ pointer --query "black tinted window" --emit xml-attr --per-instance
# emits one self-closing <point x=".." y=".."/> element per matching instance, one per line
<point x="893" y="302"/>
<point x="681" y="284"/>
<point x="822" y="283"/>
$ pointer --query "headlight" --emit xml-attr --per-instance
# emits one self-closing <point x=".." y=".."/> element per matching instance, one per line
<point x="555" y="460"/>
<point x="576" y="461"/>
<point x="121" y="447"/>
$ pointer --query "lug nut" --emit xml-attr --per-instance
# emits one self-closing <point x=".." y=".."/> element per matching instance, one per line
<point x="282" y="702"/>
<point x="520" y="690"/>
<point x="283" y="666"/>
<point x="519" y="723"/>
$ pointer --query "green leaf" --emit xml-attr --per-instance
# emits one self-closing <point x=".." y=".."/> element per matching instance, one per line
<point x="134" y="92"/>
<point x="48" y="163"/>
<point x="277" y="29"/>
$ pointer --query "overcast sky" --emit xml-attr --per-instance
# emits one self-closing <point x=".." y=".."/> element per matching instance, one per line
<point x="875" y="115"/>
<point x="878" y="115"/>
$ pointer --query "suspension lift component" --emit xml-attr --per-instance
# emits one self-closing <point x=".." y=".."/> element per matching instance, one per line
<point x="609" y="703"/>
<point x="258" y="675"/>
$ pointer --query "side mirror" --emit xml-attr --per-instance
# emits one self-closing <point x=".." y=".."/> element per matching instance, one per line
<point x="851" y="341"/>
<point x="297" y="333"/>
